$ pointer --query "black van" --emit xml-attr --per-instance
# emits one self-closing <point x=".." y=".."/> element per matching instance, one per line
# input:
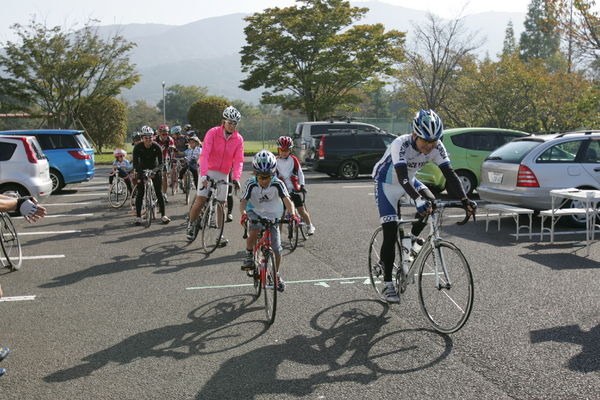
<point x="348" y="154"/>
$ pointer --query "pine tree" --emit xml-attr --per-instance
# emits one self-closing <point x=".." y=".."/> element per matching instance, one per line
<point x="510" y="42"/>
<point x="540" y="39"/>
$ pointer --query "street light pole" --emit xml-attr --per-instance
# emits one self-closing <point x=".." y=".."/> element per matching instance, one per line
<point x="164" y="105"/>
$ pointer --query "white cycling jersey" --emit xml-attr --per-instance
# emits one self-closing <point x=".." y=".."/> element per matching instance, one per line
<point x="267" y="202"/>
<point x="402" y="151"/>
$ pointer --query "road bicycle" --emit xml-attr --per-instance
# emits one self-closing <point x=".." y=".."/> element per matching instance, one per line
<point x="264" y="274"/>
<point x="445" y="281"/>
<point x="10" y="244"/>
<point x="212" y="218"/>
<point x="295" y="229"/>
<point x="150" y="201"/>
<point x="174" y="174"/>
<point x="188" y="185"/>
<point x="118" y="192"/>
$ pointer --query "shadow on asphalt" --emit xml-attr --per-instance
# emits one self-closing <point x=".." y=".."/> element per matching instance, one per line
<point x="212" y="329"/>
<point x="349" y="347"/>
<point x="588" y="360"/>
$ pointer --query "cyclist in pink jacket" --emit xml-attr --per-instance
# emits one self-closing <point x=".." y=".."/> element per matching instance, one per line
<point x="222" y="152"/>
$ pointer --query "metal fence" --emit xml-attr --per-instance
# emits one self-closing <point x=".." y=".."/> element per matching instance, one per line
<point x="268" y="129"/>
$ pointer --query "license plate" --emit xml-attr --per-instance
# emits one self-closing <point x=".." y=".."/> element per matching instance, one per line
<point x="495" y="177"/>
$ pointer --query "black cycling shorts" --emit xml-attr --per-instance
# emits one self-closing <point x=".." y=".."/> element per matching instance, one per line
<point x="297" y="200"/>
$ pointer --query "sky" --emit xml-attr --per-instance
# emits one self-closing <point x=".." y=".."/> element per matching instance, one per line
<point x="179" y="12"/>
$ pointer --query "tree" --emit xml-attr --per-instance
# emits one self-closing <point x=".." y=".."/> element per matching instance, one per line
<point x="105" y="121"/>
<point x="510" y="43"/>
<point x="179" y="98"/>
<point x="58" y="70"/>
<point x="579" y="20"/>
<point x="140" y="114"/>
<point x="540" y="38"/>
<point x="434" y="62"/>
<point x="206" y="113"/>
<point x="310" y="58"/>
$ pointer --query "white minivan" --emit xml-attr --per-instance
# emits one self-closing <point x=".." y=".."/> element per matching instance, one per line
<point x="24" y="167"/>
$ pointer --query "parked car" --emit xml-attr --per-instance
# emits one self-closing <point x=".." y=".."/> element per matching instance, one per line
<point x="523" y="172"/>
<point x="69" y="154"/>
<point x="467" y="148"/>
<point x="307" y="135"/>
<point x="24" y="168"/>
<point x="346" y="154"/>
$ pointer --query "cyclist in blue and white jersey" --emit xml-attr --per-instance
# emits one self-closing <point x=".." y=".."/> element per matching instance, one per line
<point x="268" y="196"/>
<point x="394" y="177"/>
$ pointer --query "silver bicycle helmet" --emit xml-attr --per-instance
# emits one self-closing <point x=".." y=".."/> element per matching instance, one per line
<point x="264" y="162"/>
<point x="232" y="114"/>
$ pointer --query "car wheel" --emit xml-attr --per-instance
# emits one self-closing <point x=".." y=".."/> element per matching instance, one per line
<point x="57" y="180"/>
<point x="468" y="181"/>
<point x="348" y="170"/>
<point x="20" y="190"/>
<point x="578" y="220"/>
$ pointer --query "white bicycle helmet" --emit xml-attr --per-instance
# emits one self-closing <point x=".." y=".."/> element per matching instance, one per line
<point x="176" y="129"/>
<point x="264" y="162"/>
<point x="147" y="131"/>
<point x="120" y="152"/>
<point x="428" y="125"/>
<point x="232" y="114"/>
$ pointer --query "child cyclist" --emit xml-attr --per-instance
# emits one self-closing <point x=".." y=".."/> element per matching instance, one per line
<point x="192" y="155"/>
<point x="290" y="172"/>
<point x="267" y="195"/>
<point x="120" y="166"/>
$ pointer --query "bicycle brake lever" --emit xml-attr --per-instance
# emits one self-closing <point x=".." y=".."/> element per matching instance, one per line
<point x="464" y="221"/>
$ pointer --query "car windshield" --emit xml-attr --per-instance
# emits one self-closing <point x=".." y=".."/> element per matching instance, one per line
<point x="513" y="152"/>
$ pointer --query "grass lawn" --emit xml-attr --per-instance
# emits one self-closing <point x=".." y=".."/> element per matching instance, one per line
<point x="251" y="147"/>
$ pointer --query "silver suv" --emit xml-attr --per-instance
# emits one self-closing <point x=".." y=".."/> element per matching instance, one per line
<point x="308" y="135"/>
<point x="522" y="172"/>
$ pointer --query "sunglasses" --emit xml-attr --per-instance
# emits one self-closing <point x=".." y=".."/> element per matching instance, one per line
<point x="230" y="122"/>
<point x="264" y="177"/>
<point x="431" y="141"/>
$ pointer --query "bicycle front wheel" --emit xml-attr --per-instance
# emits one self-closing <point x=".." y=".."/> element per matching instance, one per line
<point x="376" y="268"/>
<point x="292" y="232"/>
<point x="147" y="206"/>
<point x="117" y="193"/>
<point x="9" y="241"/>
<point x="213" y="220"/>
<point x="270" y="287"/>
<point x="445" y="294"/>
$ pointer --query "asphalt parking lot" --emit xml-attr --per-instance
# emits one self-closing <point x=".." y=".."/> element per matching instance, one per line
<point x="103" y="309"/>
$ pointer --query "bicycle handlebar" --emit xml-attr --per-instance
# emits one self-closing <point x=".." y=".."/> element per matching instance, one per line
<point x="455" y="204"/>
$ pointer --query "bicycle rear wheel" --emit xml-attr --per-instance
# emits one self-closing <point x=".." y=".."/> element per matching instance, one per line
<point x="292" y="232"/>
<point x="187" y="187"/>
<point x="446" y="305"/>
<point x="270" y="287"/>
<point x="117" y="193"/>
<point x="376" y="265"/>
<point x="212" y="226"/>
<point x="9" y="241"/>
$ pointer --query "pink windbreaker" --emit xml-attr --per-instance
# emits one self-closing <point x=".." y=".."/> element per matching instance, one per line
<point x="219" y="154"/>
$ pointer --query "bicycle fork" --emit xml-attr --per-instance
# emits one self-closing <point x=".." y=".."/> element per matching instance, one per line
<point x="439" y="261"/>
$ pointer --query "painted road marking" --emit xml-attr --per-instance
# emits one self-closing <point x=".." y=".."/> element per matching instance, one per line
<point x="71" y="204"/>
<point x="62" y="215"/>
<point x="48" y="232"/>
<point x="83" y="194"/>
<point x="17" y="298"/>
<point x="39" y="257"/>
<point x="319" y="282"/>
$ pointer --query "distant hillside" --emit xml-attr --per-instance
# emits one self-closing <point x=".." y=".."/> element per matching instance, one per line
<point x="206" y="52"/>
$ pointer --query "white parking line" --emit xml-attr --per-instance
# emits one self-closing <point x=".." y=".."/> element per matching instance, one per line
<point x="48" y="232"/>
<point x="83" y="194"/>
<point x="72" y="204"/>
<point x="17" y="298"/>
<point x="62" y="215"/>
<point x="319" y="282"/>
<point x="40" y="257"/>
